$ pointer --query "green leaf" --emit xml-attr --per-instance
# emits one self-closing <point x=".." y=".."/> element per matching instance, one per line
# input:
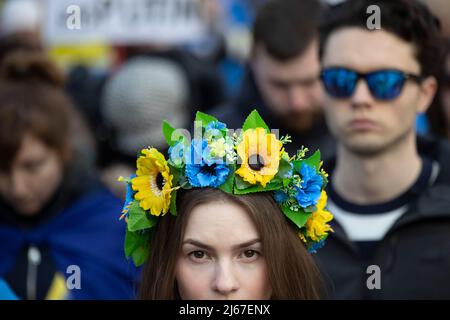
<point x="310" y="209"/>
<point x="254" y="121"/>
<point x="284" y="169"/>
<point x="241" y="189"/>
<point x="173" y="203"/>
<point x="184" y="182"/>
<point x="140" y="255"/>
<point x="297" y="217"/>
<point x="167" y="132"/>
<point x="227" y="186"/>
<point x="138" y="219"/>
<point x="133" y="240"/>
<point x="313" y="161"/>
<point x="176" y="173"/>
<point x="137" y="245"/>
<point x="241" y="184"/>
<point x="204" y="118"/>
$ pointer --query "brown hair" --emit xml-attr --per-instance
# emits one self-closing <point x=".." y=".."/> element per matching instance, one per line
<point x="286" y="28"/>
<point x="291" y="270"/>
<point x="410" y="20"/>
<point x="32" y="101"/>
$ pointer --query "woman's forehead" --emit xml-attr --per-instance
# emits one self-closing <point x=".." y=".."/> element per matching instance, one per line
<point x="221" y="223"/>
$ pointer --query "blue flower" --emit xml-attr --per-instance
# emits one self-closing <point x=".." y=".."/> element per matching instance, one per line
<point x="214" y="130"/>
<point x="313" y="247"/>
<point x="176" y="155"/>
<point x="200" y="153"/>
<point x="197" y="152"/>
<point x="215" y="125"/>
<point x="205" y="175"/>
<point x="280" y="196"/>
<point x="202" y="170"/>
<point x="129" y="198"/>
<point x="311" y="186"/>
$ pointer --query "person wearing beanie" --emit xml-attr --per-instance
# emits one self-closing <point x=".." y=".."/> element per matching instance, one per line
<point x="135" y="100"/>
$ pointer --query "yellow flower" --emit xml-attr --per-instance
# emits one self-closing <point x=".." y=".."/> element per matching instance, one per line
<point x="316" y="226"/>
<point x="260" y="153"/>
<point x="153" y="182"/>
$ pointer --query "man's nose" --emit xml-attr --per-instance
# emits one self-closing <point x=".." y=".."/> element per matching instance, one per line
<point x="298" y="98"/>
<point x="362" y="95"/>
<point x="305" y="96"/>
<point x="225" y="281"/>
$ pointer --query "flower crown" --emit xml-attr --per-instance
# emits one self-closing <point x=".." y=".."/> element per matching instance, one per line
<point x="253" y="160"/>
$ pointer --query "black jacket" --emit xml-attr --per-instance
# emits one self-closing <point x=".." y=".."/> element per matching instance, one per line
<point x="249" y="98"/>
<point x="414" y="255"/>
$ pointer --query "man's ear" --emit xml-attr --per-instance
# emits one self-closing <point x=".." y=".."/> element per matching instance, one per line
<point x="428" y="88"/>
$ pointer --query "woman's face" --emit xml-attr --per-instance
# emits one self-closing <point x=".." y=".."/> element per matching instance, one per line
<point x="34" y="177"/>
<point x="221" y="256"/>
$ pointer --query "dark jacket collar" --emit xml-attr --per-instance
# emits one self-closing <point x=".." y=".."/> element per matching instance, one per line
<point x="434" y="203"/>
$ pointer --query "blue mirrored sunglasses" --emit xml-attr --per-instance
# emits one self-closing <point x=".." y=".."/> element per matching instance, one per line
<point x="386" y="84"/>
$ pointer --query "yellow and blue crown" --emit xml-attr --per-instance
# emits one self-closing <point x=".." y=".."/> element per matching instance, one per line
<point x="252" y="160"/>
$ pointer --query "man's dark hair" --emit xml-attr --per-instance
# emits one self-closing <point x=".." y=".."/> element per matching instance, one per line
<point x="410" y="20"/>
<point x="285" y="28"/>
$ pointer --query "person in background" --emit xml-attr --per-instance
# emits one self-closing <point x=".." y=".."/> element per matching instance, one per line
<point x="59" y="234"/>
<point x="282" y="80"/>
<point x="20" y="25"/>
<point x="136" y="99"/>
<point x="439" y="112"/>
<point x="22" y="19"/>
<point x="389" y="191"/>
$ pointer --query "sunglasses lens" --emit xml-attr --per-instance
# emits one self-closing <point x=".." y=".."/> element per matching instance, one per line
<point x="386" y="85"/>
<point x="339" y="82"/>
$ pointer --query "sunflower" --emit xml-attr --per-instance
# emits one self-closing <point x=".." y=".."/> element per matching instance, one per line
<point x="153" y="182"/>
<point x="316" y="226"/>
<point x="260" y="154"/>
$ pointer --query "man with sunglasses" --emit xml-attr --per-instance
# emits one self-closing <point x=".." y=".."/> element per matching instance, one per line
<point x="389" y="191"/>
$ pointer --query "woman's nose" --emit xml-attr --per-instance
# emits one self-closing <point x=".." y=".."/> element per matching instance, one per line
<point x="225" y="281"/>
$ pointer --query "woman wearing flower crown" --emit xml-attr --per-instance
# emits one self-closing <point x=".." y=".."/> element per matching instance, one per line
<point x="226" y="216"/>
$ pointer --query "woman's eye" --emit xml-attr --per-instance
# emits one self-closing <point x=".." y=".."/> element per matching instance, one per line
<point x="197" y="254"/>
<point x="33" y="166"/>
<point x="250" y="254"/>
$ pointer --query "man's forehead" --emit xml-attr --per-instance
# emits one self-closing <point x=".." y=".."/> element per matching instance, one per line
<point x="306" y="63"/>
<point x="368" y="50"/>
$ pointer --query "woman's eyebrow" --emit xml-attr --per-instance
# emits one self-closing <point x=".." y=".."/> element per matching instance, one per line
<point x="197" y="244"/>
<point x="246" y="244"/>
<point x="207" y="247"/>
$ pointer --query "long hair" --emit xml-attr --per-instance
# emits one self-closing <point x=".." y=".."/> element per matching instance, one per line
<point x="291" y="270"/>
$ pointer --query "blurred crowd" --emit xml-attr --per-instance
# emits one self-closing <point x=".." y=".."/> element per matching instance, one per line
<point x="69" y="130"/>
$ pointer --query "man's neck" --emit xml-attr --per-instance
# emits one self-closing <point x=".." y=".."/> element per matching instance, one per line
<point x="379" y="178"/>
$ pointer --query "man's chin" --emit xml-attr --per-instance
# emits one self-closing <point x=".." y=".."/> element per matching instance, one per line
<point x="365" y="149"/>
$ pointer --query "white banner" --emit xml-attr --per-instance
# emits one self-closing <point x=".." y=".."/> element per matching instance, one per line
<point x="123" y="21"/>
